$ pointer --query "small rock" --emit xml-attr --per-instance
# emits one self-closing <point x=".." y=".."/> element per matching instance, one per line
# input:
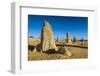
<point x="34" y="50"/>
<point x="68" y="53"/>
<point x="61" y="51"/>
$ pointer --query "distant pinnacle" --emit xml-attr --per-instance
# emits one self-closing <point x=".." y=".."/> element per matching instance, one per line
<point x="68" y="38"/>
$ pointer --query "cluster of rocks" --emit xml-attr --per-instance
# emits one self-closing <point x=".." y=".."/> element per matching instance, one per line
<point x="75" y="39"/>
<point x="69" y="40"/>
<point x="48" y="43"/>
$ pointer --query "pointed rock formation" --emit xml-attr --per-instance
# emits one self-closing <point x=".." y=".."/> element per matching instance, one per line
<point x="75" y="39"/>
<point x="47" y="38"/>
<point x="68" y="40"/>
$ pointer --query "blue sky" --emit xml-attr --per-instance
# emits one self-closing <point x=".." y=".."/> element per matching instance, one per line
<point x="77" y="26"/>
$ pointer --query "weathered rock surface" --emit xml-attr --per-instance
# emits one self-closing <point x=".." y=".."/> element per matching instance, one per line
<point x="64" y="50"/>
<point x="47" y="38"/>
<point x="68" y="53"/>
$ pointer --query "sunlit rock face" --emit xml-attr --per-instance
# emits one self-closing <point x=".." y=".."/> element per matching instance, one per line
<point x="47" y="38"/>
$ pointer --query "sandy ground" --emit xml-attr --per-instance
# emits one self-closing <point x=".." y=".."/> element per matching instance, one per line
<point x="76" y="54"/>
<point x="74" y="48"/>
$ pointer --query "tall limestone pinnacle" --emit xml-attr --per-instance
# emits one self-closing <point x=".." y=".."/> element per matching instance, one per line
<point x="47" y="38"/>
<point x="68" y="40"/>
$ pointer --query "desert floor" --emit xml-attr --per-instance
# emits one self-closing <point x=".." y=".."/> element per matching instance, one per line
<point x="77" y="53"/>
<point x="77" y="49"/>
